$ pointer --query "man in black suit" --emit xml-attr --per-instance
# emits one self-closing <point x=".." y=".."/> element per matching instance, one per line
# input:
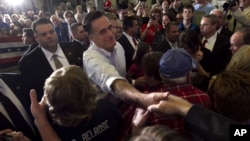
<point x="80" y="39"/>
<point x="128" y="39"/>
<point x="29" y="39"/>
<point x="37" y="66"/>
<point x="218" y="44"/>
<point x="171" y="37"/>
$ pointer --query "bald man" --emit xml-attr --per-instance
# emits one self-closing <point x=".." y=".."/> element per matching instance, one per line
<point x="222" y="28"/>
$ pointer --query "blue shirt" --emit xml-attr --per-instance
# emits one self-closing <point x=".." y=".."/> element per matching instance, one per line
<point x="201" y="11"/>
<point x="4" y="25"/>
<point x="192" y="26"/>
<point x="62" y="32"/>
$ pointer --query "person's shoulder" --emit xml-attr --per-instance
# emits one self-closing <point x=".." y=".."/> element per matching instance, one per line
<point x="31" y="54"/>
<point x="164" y="42"/>
<point x="119" y="47"/>
<point x="118" y="44"/>
<point x="64" y="23"/>
<point x="4" y="24"/>
<point x="206" y="51"/>
<point x="189" y="92"/>
<point x="66" y="44"/>
<point x="193" y="25"/>
<point x="223" y="38"/>
<point x="121" y="38"/>
<point x="105" y="107"/>
<point x="69" y="45"/>
<point x="92" y="52"/>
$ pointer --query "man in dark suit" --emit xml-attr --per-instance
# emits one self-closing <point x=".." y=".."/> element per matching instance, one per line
<point x="37" y="66"/>
<point x="80" y="39"/>
<point x="29" y="39"/>
<point x="171" y="36"/>
<point x="128" y="39"/>
<point x="218" y="44"/>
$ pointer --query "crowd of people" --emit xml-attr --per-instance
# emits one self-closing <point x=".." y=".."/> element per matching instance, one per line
<point x="173" y="71"/>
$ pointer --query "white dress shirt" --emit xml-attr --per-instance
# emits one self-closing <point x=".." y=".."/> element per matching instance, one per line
<point x="130" y="39"/>
<point x="210" y="42"/>
<point x="103" y="67"/>
<point x="60" y="56"/>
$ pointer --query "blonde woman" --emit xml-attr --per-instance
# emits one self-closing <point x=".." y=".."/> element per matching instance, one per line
<point x="72" y="106"/>
<point x="240" y="61"/>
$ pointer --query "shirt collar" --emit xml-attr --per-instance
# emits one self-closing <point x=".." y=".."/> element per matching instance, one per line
<point x="49" y="54"/>
<point x="219" y="30"/>
<point x="78" y="41"/>
<point x="212" y="38"/>
<point x="128" y="36"/>
<point x="171" y="44"/>
<point x="103" y="51"/>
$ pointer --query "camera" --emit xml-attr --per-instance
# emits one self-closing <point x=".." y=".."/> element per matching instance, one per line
<point x="229" y="4"/>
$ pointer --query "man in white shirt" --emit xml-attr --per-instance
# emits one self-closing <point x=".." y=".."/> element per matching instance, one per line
<point x="104" y="62"/>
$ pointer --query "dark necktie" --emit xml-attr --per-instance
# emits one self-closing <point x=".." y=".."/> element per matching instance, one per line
<point x="134" y="41"/>
<point x="15" y="115"/>
<point x="204" y="43"/>
<point x="58" y="64"/>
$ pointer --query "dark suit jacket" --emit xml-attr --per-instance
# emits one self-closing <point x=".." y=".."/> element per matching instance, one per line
<point x="163" y="46"/>
<point x="158" y="38"/>
<point x="79" y="45"/>
<point x="31" y="47"/>
<point x="35" y="68"/>
<point x="207" y="125"/>
<point x="221" y="54"/>
<point x="207" y="64"/>
<point x="226" y="32"/>
<point x="128" y="48"/>
<point x="13" y="80"/>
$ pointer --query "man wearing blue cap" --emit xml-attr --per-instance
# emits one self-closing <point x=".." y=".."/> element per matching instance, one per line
<point x="174" y="70"/>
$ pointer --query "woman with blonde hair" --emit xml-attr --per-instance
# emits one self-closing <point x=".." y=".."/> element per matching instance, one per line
<point x="158" y="133"/>
<point x="241" y="59"/>
<point x="73" y="106"/>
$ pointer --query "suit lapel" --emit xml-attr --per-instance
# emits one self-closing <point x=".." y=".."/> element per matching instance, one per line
<point x="217" y="45"/>
<point x="128" y="44"/>
<point x="42" y="59"/>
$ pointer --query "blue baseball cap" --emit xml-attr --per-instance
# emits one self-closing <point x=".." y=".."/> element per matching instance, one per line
<point x="175" y="63"/>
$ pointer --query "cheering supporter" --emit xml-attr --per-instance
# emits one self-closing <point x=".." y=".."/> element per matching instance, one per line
<point x="149" y="29"/>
